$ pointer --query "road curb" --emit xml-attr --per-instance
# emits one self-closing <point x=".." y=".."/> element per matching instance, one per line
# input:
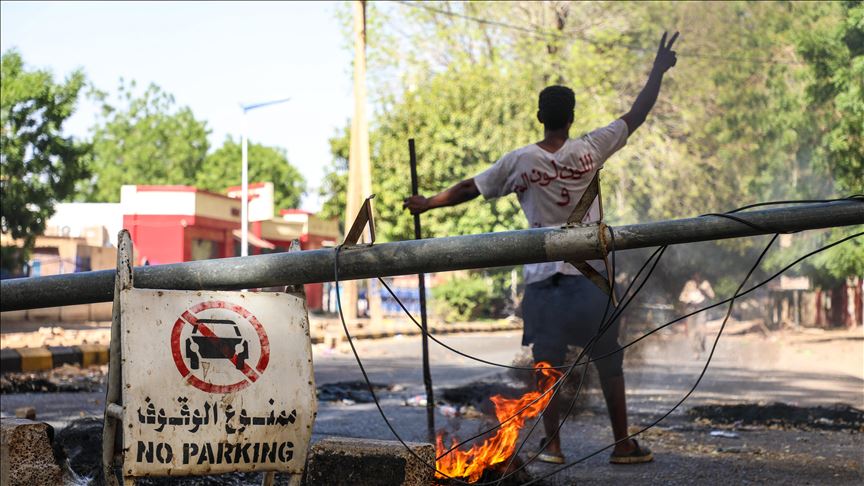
<point x="50" y="357"/>
<point x="13" y="360"/>
<point x="436" y="330"/>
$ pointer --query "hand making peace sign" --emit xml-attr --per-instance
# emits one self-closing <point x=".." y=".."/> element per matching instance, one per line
<point x="666" y="57"/>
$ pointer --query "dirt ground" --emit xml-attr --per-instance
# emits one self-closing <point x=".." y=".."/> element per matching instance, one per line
<point x="796" y="368"/>
<point x="805" y="371"/>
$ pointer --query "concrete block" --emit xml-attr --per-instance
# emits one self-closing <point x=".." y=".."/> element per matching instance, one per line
<point x="10" y="360"/>
<point x="344" y="461"/>
<point x="28" y="413"/>
<point x="36" y="359"/>
<point x="61" y="355"/>
<point x="93" y="354"/>
<point x="27" y="453"/>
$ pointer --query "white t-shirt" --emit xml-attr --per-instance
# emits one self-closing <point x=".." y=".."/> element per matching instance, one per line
<point x="549" y="185"/>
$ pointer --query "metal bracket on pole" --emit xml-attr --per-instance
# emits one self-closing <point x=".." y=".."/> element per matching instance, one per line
<point x="113" y="410"/>
<point x="364" y="216"/>
<point x="296" y="289"/>
<point x="576" y="217"/>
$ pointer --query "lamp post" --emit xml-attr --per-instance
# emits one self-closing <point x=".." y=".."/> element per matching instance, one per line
<point x="244" y="176"/>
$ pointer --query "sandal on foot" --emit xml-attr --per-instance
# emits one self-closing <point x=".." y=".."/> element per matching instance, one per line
<point x="550" y="458"/>
<point x="546" y="456"/>
<point x="638" y="455"/>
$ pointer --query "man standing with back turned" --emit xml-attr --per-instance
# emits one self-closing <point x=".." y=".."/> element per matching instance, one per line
<point x="561" y="307"/>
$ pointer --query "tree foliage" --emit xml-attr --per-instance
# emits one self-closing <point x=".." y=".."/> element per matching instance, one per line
<point x="39" y="165"/>
<point x="221" y="169"/>
<point x="144" y="139"/>
<point x="334" y="187"/>
<point x="835" y="53"/>
<point x="738" y="119"/>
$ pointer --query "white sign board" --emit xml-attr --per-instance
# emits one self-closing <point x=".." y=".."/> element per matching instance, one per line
<point x="215" y="382"/>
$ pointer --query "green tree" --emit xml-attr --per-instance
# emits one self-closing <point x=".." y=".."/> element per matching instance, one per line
<point x="834" y="52"/>
<point x="334" y="187"/>
<point x="144" y="139"/>
<point x="731" y="121"/>
<point x="221" y="169"/>
<point x="39" y="165"/>
<point x="734" y="123"/>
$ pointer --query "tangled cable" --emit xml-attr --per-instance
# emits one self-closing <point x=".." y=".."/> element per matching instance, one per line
<point x="626" y="300"/>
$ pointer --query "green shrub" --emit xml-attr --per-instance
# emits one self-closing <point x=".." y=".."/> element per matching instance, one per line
<point x="461" y="298"/>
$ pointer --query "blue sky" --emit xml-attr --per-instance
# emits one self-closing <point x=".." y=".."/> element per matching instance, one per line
<point x="211" y="56"/>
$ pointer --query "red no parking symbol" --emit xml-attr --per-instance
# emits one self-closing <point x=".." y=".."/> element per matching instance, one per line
<point x="206" y="344"/>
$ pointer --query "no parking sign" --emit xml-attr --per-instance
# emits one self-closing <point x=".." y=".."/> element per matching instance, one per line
<point x="215" y="382"/>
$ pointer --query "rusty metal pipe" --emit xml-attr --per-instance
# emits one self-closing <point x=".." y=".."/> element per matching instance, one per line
<point x="416" y="256"/>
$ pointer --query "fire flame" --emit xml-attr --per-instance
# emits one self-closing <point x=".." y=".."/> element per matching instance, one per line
<point x="470" y="464"/>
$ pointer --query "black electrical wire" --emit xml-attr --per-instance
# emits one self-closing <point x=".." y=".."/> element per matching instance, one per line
<point x="557" y="385"/>
<point x="717" y="304"/>
<point x="659" y="250"/>
<point x="742" y="221"/>
<point x="570" y="367"/>
<point x="555" y="388"/>
<point x="546" y="34"/>
<point x="738" y="294"/>
<point x="585" y="352"/>
<point x="372" y="390"/>
<point x="731" y="300"/>
<point x="387" y="422"/>
<point x="576" y="397"/>
<point x="492" y="363"/>
<point x="366" y="376"/>
<point x="622" y="308"/>
<point x="692" y="388"/>
<point x="854" y="197"/>
<point x="601" y="329"/>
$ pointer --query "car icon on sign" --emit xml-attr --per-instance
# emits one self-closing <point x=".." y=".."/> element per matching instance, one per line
<point x="225" y="343"/>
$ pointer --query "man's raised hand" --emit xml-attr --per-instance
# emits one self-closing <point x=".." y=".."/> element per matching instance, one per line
<point x="666" y="57"/>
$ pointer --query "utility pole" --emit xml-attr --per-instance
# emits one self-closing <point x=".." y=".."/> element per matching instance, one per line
<point x="359" y="165"/>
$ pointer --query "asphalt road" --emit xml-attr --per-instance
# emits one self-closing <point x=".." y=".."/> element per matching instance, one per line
<point x="803" y="369"/>
<point x="393" y="361"/>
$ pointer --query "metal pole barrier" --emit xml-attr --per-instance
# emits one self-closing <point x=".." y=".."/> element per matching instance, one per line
<point x="414" y="256"/>
<point x="427" y="373"/>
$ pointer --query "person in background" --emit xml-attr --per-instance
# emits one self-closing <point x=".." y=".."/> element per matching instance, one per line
<point x="696" y="292"/>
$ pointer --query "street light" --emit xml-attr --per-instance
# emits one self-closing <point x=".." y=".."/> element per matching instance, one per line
<point x="244" y="182"/>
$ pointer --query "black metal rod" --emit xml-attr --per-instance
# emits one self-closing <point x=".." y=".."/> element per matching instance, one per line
<point x="414" y="256"/>
<point x="421" y="277"/>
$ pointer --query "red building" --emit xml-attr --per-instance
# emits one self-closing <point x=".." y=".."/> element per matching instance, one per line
<point x="171" y="224"/>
